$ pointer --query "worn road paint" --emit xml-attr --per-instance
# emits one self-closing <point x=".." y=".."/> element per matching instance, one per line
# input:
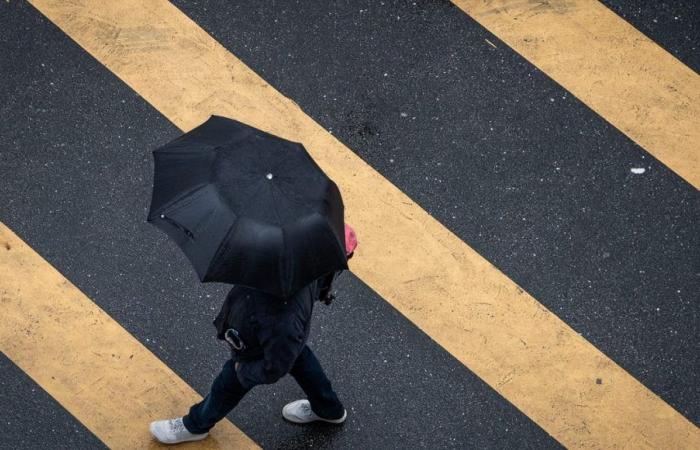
<point x="84" y="359"/>
<point x="621" y="74"/>
<point x="438" y="282"/>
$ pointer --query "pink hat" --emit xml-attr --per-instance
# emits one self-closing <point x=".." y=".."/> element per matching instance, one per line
<point x="350" y="240"/>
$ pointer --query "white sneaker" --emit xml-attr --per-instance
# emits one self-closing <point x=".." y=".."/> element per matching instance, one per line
<point x="173" y="431"/>
<point x="300" y="412"/>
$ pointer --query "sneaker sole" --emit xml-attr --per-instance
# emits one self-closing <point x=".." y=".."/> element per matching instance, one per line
<point x="337" y="421"/>
<point x="197" y="437"/>
<point x="320" y="419"/>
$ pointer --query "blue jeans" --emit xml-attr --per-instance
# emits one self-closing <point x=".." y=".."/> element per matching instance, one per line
<point x="226" y="392"/>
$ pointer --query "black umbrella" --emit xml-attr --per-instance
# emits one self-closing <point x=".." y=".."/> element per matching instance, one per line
<point x="248" y="208"/>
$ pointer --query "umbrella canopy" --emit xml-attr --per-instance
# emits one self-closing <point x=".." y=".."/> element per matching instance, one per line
<point x="247" y="207"/>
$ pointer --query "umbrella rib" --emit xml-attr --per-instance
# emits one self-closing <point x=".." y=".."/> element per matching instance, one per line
<point x="294" y="199"/>
<point x="222" y="245"/>
<point x="165" y="150"/>
<point x="253" y="197"/>
<point x="301" y="177"/>
<point x="173" y="202"/>
<point x="341" y="244"/>
<point x="274" y="206"/>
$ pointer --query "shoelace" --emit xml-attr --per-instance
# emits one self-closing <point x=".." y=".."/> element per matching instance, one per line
<point x="176" y="426"/>
<point x="306" y="408"/>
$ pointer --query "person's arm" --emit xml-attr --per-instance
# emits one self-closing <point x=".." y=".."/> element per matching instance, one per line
<point x="282" y="343"/>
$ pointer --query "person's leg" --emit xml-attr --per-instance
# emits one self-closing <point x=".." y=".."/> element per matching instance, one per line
<point x="308" y="373"/>
<point x="226" y="392"/>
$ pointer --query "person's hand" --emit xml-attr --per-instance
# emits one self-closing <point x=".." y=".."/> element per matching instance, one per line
<point x="236" y="366"/>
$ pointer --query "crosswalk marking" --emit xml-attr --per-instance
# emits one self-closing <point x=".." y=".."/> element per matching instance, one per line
<point x="618" y="72"/>
<point x="466" y="305"/>
<point x="77" y="353"/>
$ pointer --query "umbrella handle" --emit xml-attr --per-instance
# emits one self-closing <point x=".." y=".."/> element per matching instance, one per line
<point x="234" y="339"/>
<point x="328" y="299"/>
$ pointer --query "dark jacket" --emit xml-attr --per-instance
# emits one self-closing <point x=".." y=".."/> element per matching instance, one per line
<point x="273" y="331"/>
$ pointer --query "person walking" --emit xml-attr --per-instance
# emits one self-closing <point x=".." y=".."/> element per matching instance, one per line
<point x="267" y="336"/>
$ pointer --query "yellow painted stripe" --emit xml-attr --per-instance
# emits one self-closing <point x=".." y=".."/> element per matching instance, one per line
<point x="464" y="303"/>
<point x="625" y="77"/>
<point x="99" y="372"/>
